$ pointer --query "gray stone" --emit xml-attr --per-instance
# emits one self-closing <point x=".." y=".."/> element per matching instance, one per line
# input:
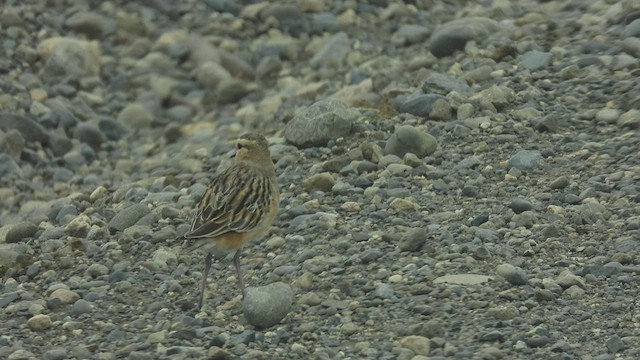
<point x="525" y="159"/>
<point x="614" y="344"/>
<point x="333" y="53"/>
<point x="267" y="305"/>
<point x="81" y="306"/>
<point x="92" y="24"/>
<point x="231" y="90"/>
<point x="410" y="34"/>
<point x="323" y="182"/>
<point x="135" y="116"/>
<point x="413" y="240"/>
<point x="454" y="35"/>
<point x="12" y="143"/>
<point x="443" y="84"/>
<point x="407" y="139"/>
<point x="90" y="134"/>
<point x="513" y="274"/>
<point x="417" y="104"/>
<point x="67" y="57"/>
<point x="30" y="130"/>
<point x="128" y="217"/>
<point x="559" y="183"/>
<point x="55" y="354"/>
<point x="9" y="166"/>
<point x="535" y="60"/>
<point x="21" y="231"/>
<point x="520" y="205"/>
<point x="317" y="124"/>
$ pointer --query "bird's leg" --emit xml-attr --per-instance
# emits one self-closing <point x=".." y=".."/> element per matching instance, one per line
<point x="236" y="262"/>
<point x="205" y="273"/>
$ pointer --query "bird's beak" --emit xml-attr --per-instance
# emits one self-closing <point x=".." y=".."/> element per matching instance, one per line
<point x="232" y="153"/>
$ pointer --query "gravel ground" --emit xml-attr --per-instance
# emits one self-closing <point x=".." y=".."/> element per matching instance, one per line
<point x="459" y="179"/>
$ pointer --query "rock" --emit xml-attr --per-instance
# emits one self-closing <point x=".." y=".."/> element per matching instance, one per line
<point x="333" y="53"/>
<point x="90" y="134"/>
<point x="410" y="34"/>
<point x="128" y="217"/>
<point x="28" y="128"/>
<point x="67" y="57"/>
<point x="39" y="322"/>
<point x="96" y="270"/>
<point x="267" y="305"/>
<point x="630" y="119"/>
<point x="417" y="104"/>
<point x="407" y="139"/>
<point x="78" y="227"/>
<point x="498" y="95"/>
<point x="317" y="124"/>
<point x="9" y="166"/>
<point x="567" y="279"/>
<point x="92" y="24"/>
<point x="525" y="159"/>
<point x="413" y="240"/>
<point x="608" y="115"/>
<point x="210" y="74"/>
<point x="559" y="183"/>
<point x="513" y="274"/>
<point x="462" y="279"/>
<point x="323" y="182"/>
<point x="520" y="205"/>
<point x="20" y="231"/>
<point x="443" y="84"/>
<point x="12" y="143"/>
<point x="135" y="116"/>
<point x="81" y="306"/>
<point x="420" y="345"/>
<point x="454" y="35"/>
<point x="65" y="296"/>
<point x="535" y="60"/>
<point x="614" y="344"/>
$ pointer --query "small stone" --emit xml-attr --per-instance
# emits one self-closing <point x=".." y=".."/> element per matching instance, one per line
<point x="403" y="205"/>
<point x="567" y="279"/>
<point x="413" y="240"/>
<point x="513" y="274"/>
<point x="630" y="119"/>
<point x="97" y="270"/>
<point x="420" y="345"/>
<point x="454" y="35"/>
<point x="135" y="116"/>
<point x="535" y="60"/>
<point x="78" y="227"/>
<point x="39" y="322"/>
<point x="559" y="183"/>
<point x="65" y="296"/>
<point x="333" y="52"/>
<point x="322" y="181"/>
<point x="614" y="344"/>
<point x="525" y="160"/>
<point x="315" y="125"/>
<point x="608" y="115"/>
<point x="267" y="305"/>
<point x="462" y="279"/>
<point x="127" y="217"/>
<point x="12" y="143"/>
<point x="20" y="231"/>
<point x="520" y="205"/>
<point x="407" y="139"/>
<point x="81" y="306"/>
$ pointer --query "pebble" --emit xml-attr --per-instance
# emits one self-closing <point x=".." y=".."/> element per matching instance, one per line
<point x="535" y="60"/>
<point x="520" y="205"/>
<point x="266" y="306"/>
<point x="20" y="231"/>
<point x="317" y="124"/>
<point x="408" y="139"/>
<point x="453" y="35"/>
<point x="39" y="322"/>
<point x="135" y="116"/>
<point x="413" y="240"/>
<point x="513" y="274"/>
<point x="128" y="217"/>
<point x="525" y="160"/>
<point x="65" y="296"/>
<point x="420" y="345"/>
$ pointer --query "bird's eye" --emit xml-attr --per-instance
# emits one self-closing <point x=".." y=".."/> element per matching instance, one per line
<point x="239" y="146"/>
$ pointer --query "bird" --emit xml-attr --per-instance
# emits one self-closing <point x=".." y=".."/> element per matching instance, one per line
<point x="239" y="205"/>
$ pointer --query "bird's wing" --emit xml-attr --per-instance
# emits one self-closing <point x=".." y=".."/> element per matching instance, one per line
<point x="237" y="200"/>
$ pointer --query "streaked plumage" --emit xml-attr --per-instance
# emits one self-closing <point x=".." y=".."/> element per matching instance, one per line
<point x="238" y="205"/>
